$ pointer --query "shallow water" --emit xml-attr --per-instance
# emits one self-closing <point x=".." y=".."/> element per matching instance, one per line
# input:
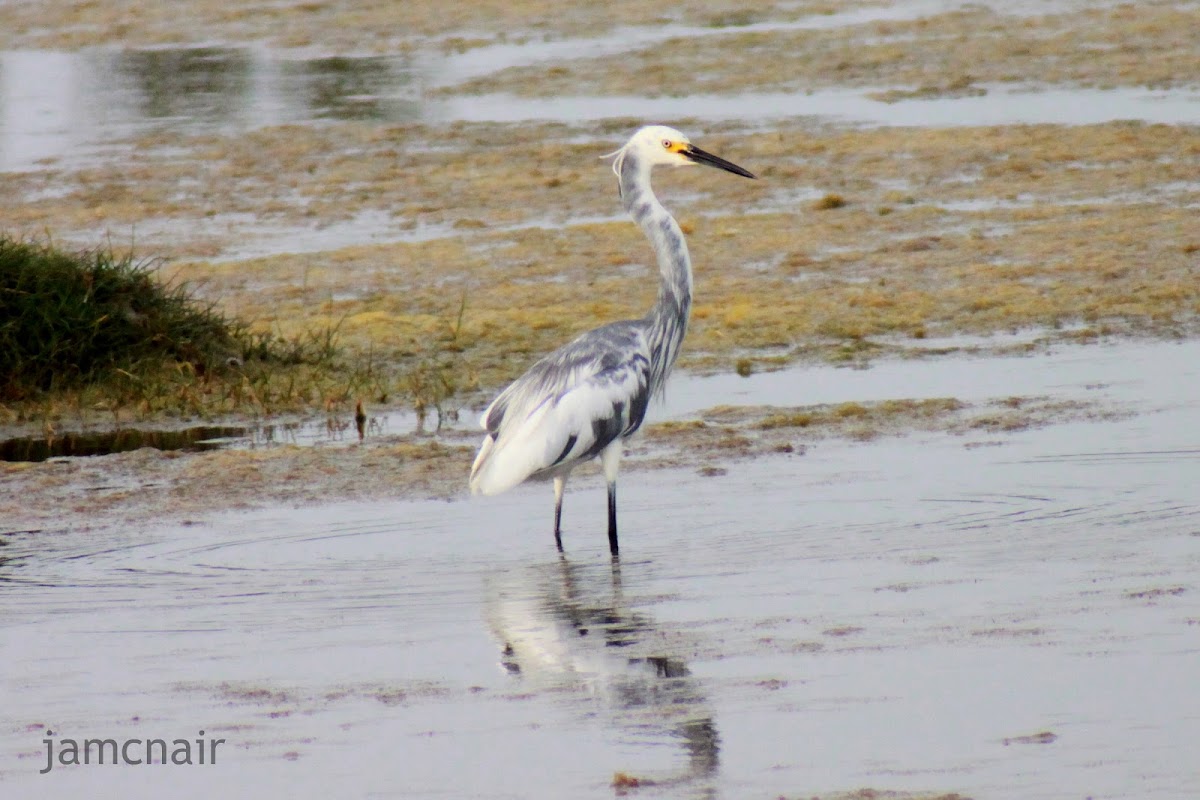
<point x="1000" y="106"/>
<point x="1100" y="373"/>
<point x="75" y="105"/>
<point x="884" y="614"/>
<point x="80" y="106"/>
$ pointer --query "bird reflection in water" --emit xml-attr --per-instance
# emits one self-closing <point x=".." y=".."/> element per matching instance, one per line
<point x="565" y="627"/>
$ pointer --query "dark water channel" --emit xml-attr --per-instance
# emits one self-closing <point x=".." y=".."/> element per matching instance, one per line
<point x="37" y="448"/>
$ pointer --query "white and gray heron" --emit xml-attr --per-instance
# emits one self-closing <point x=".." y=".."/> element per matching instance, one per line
<point x="584" y="399"/>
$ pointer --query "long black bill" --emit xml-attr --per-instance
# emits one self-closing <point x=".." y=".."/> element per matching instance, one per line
<point x="701" y="157"/>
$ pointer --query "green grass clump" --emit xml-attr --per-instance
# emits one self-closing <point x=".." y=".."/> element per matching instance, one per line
<point x="70" y="319"/>
<point x="97" y="331"/>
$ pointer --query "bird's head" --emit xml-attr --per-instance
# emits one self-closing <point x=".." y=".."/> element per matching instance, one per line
<point x="656" y="145"/>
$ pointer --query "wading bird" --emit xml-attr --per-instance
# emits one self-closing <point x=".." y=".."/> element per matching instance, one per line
<point x="584" y="399"/>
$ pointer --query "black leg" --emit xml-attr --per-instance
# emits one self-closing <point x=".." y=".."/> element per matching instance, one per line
<point x="558" y="523"/>
<point x="612" y="518"/>
<point x="559" y="484"/>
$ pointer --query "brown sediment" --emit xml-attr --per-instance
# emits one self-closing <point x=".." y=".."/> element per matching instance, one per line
<point x="366" y="25"/>
<point x="726" y="432"/>
<point x="943" y="54"/>
<point x="879" y="794"/>
<point x="935" y="232"/>
<point x="130" y="488"/>
<point x="1043" y="737"/>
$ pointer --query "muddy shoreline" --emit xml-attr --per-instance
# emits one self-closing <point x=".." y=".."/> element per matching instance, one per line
<point x="129" y="489"/>
<point x="920" y="499"/>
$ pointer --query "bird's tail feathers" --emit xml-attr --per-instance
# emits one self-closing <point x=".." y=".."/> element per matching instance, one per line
<point x="506" y="461"/>
<point x="498" y="470"/>
<point x="480" y="460"/>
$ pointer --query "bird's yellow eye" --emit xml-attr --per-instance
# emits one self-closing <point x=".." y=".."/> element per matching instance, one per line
<point x="667" y="143"/>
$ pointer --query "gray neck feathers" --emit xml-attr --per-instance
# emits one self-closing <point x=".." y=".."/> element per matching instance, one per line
<point x="667" y="321"/>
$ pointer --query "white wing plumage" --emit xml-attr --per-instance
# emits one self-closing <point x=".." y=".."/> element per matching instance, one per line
<point x="566" y="409"/>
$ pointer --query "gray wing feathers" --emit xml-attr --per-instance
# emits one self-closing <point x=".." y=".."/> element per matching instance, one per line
<point x="568" y="407"/>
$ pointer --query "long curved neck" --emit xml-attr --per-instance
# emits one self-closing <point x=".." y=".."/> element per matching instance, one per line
<point x="668" y="319"/>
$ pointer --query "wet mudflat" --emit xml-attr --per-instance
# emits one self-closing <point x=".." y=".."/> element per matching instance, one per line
<point x="964" y="573"/>
<point x="990" y="614"/>
<point x="301" y="182"/>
